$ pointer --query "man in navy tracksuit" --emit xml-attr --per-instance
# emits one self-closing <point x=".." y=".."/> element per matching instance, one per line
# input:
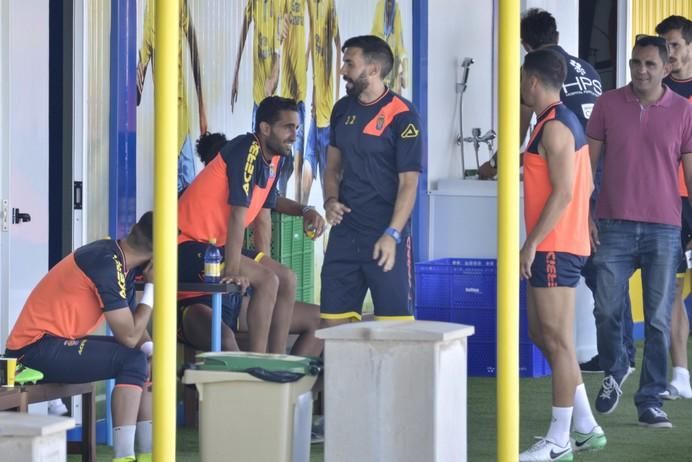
<point x="373" y="164"/>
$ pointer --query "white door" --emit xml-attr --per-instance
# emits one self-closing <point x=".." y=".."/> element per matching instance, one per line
<point x="24" y="75"/>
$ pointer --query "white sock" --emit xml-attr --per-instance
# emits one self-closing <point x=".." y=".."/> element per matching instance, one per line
<point x="558" y="432"/>
<point x="143" y="437"/>
<point x="124" y="441"/>
<point x="582" y="416"/>
<point x="681" y="376"/>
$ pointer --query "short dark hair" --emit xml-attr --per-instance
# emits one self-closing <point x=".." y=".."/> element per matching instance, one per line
<point x="538" y="28"/>
<point x="675" y="22"/>
<point x="141" y="237"/>
<point x="270" y="107"/>
<point x="208" y="146"/>
<point x="548" y="65"/>
<point x="374" y="49"/>
<point x="642" y="40"/>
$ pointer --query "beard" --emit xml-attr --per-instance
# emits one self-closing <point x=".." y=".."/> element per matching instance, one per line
<point x="358" y="86"/>
<point x="275" y="145"/>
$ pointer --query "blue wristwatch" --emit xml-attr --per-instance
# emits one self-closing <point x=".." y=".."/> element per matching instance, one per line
<point x="396" y="235"/>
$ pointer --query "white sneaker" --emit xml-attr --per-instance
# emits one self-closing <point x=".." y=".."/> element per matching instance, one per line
<point x="57" y="407"/>
<point x="676" y="392"/>
<point x="546" y="451"/>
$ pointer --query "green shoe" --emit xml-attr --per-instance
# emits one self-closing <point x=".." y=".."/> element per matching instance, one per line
<point x="25" y="374"/>
<point x="144" y="457"/>
<point x="125" y="459"/>
<point x="592" y="441"/>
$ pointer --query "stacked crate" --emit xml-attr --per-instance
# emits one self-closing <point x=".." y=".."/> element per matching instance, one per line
<point x="464" y="291"/>
<point x="292" y="248"/>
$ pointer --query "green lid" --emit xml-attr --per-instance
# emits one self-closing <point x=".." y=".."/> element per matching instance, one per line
<point x="247" y="362"/>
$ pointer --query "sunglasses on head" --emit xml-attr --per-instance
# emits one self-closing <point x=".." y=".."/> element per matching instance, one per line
<point x="646" y="40"/>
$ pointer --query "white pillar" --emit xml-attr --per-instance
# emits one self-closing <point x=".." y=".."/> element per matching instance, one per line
<point x="395" y="391"/>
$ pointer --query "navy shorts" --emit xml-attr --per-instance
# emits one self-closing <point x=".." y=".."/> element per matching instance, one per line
<point x="191" y="269"/>
<point x="316" y="149"/>
<point x="349" y="271"/>
<point x="87" y="359"/>
<point x="556" y="269"/>
<point x="685" y="233"/>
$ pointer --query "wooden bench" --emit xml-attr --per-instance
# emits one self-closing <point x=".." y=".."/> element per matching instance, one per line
<point x="12" y="399"/>
<point x="48" y="391"/>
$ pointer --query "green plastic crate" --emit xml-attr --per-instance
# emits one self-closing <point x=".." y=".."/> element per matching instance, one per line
<point x="292" y="248"/>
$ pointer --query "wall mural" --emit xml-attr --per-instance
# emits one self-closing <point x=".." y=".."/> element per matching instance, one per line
<point x="234" y="53"/>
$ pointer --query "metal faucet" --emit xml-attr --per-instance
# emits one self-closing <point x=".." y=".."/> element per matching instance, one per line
<point x="461" y="85"/>
<point x="476" y="139"/>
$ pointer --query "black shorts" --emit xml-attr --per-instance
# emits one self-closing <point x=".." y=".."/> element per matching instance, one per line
<point x="86" y="359"/>
<point x="191" y="269"/>
<point x="685" y="233"/>
<point x="556" y="269"/>
<point x="349" y="271"/>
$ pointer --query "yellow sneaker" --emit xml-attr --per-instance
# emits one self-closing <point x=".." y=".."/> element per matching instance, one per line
<point x="144" y="457"/>
<point x="125" y="459"/>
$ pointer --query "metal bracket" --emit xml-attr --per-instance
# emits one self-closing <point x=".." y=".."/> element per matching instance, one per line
<point x="77" y="195"/>
<point x="5" y="214"/>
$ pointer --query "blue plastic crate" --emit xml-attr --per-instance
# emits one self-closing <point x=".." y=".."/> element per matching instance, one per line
<point x="456" y="282"/>
<point x="482" y="360"/>
<point x="485" y="323"/>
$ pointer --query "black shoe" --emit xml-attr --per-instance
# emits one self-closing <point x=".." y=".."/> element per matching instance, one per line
<point x="654" y="417"/>
<point x="610" y="392"/>
<point x="591" y="366"/>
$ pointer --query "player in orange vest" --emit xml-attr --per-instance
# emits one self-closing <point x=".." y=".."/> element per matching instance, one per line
<point x="235" y="189"/>
<point x="557" y="187"/>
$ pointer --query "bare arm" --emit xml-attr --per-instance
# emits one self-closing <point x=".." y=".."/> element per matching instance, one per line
<point x="241" y="44"/>
<point x="145" y="338"/>
<point x="595" y="147"/>
<point x="128" y="327"/>
<point x="197" y="76"/>
<point x="234" y="241"/>
<point x="332" y="174"/>
<point x="262" y="231"/>
<point x="311" y="31"/>
<point x="337" y="44"/>
<point x="334" y="210"/>
<point x="273" y="81"/>
<point x="557" y="146"/>
<point x="384" y="250"/>
<point x="405" y="199"/>
<point x="313" y="223"/>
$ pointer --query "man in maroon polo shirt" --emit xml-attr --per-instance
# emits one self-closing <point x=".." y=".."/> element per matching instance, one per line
<point x="647" y="132"/>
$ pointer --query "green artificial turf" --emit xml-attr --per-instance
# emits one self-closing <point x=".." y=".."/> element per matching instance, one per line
<point x="627" y="442"/>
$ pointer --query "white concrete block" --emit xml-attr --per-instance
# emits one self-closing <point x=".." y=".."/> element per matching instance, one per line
<point x="395" y="391"/>
<point x="33" y="438"/>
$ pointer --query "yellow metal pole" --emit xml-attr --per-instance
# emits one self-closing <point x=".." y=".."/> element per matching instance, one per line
<point x="165" y="226"/>
<point x="508" y="235"/>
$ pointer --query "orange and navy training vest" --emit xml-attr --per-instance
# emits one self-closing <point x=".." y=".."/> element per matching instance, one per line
<point x="70" y="300"/>
<point x="238" y="176"/>
<point x="684" y="89"/>
<point x="571" y="233"/>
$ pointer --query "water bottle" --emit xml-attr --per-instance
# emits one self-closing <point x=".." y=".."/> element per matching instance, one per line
<point x="212" y="262"/>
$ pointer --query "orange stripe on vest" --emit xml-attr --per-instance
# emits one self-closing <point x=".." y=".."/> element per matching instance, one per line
<point x="383" y="118"/>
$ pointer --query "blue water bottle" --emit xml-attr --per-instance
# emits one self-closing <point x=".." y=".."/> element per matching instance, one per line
<point x="212" y="262"/>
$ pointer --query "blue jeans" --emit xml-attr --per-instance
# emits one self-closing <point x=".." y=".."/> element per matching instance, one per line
<point x="626" y="246"/>
<point x="589" y="273"/>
